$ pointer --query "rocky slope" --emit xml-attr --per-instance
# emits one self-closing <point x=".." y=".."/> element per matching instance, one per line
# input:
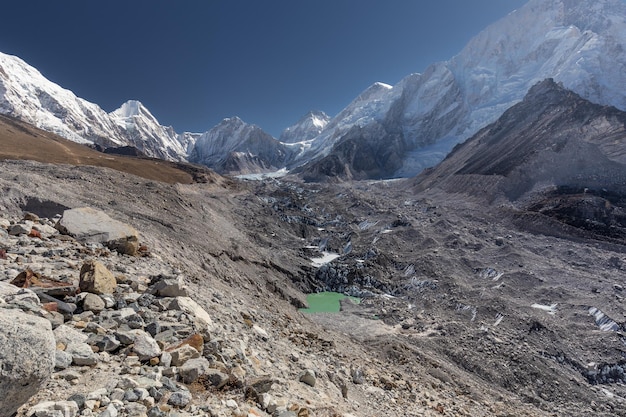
<point x="463" y="312"/>
<point x="555" y="155"/>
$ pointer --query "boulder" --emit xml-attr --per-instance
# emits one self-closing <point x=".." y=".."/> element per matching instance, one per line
<point x="194" y="369"/>
<point x="54" y="409"/>
<point x="145" y="346"/>
<point x="96" y="278"/>
<point x="308" y="377"/>
<point x="201" y="318"/>
<point x="183" y="354"/>
<point x="94" y="226"/>
<point x="94" y="303"/>
<point x="27" y="357"/>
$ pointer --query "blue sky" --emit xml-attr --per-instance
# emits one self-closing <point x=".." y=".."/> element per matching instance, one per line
<point x="194" y="62"/>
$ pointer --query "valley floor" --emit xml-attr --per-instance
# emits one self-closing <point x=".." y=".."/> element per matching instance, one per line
<point x="463" y="311"/>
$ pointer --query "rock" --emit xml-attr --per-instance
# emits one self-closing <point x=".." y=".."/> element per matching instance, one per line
<point x="20" y="228"/>
<point x="93" y="302"/>
<point x="171" y="288"/>
<point x="136" y="410"/>
<point x="193" y="369"/>
<point x="357" y="376"/>
<point x="217" y="378"/>
<point x="82" y="354"/>
<point x="94" y="226"/>
<point x="180" y="399"/>
<point x="54" y="409"/>
<point x="66" y="335"/>
<point x="308" y="377"/>
<point x="260" y="332"/>
<point x="260" y="385"/>
<point x="201" y="317"/>
<point x="20" y="297"/>
<point x="110" y="411"/>
<point x="183" y="354"/>
<point x="145" y="346"/>
<point x="96" y="278"/>
<point x="62" y="359"/>
<point x="27" y="357"/>
<point x="107" y="343"/>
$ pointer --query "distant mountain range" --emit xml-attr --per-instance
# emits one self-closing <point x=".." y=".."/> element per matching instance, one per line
<point x="387" y="131"/>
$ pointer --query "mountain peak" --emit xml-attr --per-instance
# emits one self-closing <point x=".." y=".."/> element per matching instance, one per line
<point x="130" y="108"/>
<point x="309" y="126"/>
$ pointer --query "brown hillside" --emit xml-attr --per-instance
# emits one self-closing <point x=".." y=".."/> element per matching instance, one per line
<point x="19" y="140"/>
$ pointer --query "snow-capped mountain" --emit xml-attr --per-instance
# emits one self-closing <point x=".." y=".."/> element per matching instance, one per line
<point x="233" y="146"/>
<point x="142" y="128"/>
<point x="579" y="43"/>
<point x="308" y="127"/>
<point x="27" y="95"/>
<point x="387" y="131"/>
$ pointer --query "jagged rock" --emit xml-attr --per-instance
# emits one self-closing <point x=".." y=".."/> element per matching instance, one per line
<point x="110" y="411"/>
<point x="96" y="278"/>
<point x="171" y="288"/>
<point x="62" y="359"/>
<point x="308" y="377"/>
<point x="19" y="229"/>
<point x="180" y="398"/>
<point x="144" y="345"/>
<point x="66" y="335"/>
<point x="357" y="376"/>
<point x="193" y="369"/>
<point x="27" y="357"/>
<point x="82" y="354"/>
<point x="262" y="333"/>
<point x="19" y="297"/>
<point x="183" y="354"/>
<point x="54" y="409"/>
<point x="93" y="226"/>
<point x="202" y="319"/>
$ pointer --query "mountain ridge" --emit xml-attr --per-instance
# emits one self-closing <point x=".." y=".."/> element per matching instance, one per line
<point x="415" y="122"/>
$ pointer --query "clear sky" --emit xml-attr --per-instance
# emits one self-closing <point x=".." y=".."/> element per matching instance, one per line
<point x="194" y="62"/>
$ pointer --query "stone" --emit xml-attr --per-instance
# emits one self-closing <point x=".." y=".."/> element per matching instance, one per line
<point x="107" y="343"/>
<point x="216" y="377"/>
<point x="183" y="354"/>
<point x="193" y="369"/>
<point x="66" y="335"/>
<point x="180" y="399"/>
<point x="96" y="278"/>
<point x="20" y="297"/>
<point x="171" y="287"/>
<point x="144" y="345"/>
<point x="135" y="410"/>
<point x="201" y="318"/>
<point x="82" y="354"/>
<point x="94" y="303"/>
<point x="308" y="377"/>
<point x="27" y="357"/>
<point x="110" y="411"/>
<point x="62" y="359"/>
<point x="54" y="409"/>
<point x="20" y="228"/>
<point x="260" y="332"/>
<point x="94" y="226"/>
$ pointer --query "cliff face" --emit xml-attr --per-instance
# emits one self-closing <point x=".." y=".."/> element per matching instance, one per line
<point x="553" y="153"/>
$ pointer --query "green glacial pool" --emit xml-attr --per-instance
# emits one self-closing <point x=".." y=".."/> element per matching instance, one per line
<point x="325" y="302"/>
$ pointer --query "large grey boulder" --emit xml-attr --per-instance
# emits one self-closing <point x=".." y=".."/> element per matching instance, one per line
<point x="27" y="357"/>
<point x="94" y="226"/>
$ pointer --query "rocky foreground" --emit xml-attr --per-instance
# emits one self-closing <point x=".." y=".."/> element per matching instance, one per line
<point x="94" y="331"/>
